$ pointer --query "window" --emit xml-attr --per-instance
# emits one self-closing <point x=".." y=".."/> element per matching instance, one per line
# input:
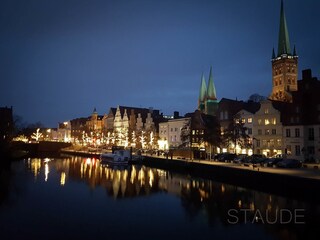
<point x="243" y="120"/>
<point x="259" y="121"/>
<point x="311" y="134"/>
<point x="297" y="132"/>
<point x="274" y="131"/>
<point x="288" y="133"/>
<point x="175" y="129"/>
<point x="288" y="149"/>
<point x="273" y="121"/>
<point x="221" y="115"/>
<point x="297" y="150"/>
<point x="249" y="120"/>
<point x="266" y="122"/>
<point x="266" y="111"/>
<point x="267" y="132"/>
<point x="250" y="131"/>
<point x="311" y="150"/>
<point x="226" y="116"/>
<point x="259" y="132"/>
<point x="264" y="143"/>
<point x="279" y="142"/>
<point x="171" y="129"/>
<point x="258" y="143"/>
<point x="271" y="143"/>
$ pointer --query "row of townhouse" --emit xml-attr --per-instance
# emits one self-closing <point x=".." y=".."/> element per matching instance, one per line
<point x="290" y="128"/>
<point x="120" y="119"/>
<point x="273" y="127"/>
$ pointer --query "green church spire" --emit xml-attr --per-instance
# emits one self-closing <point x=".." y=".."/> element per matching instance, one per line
<point x="284" y="43"/>
<point x="202" y="94"/>
<point x="203" y="90"/>
<point x="211" y="88"/>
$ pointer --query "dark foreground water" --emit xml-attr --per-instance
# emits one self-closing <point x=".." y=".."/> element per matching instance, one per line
<point x="76" y="198"/>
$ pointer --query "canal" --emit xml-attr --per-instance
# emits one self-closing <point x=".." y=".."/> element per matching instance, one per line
<point x="77" y="198"/>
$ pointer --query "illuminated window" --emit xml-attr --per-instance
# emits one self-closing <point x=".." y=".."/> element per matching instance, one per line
<point x="267" y="131"/>
<point x="259" y="121"/>
<point x="266" y="122"/>
<point x="271" y="142"/>
<point x="266" y="111"/>
<point x="249" y="120"/>
<point x="279" y="142"/>
<point x="264" y="143"/>
<point x="243" y="120"/>
<point x="273" y="121"/>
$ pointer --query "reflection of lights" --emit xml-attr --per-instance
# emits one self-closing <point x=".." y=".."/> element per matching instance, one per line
<point x="81" y="169"/>
<point x="46" y="160"/>
<point x="239" y="203"/>
<point x="46" y="171"/>
<point x="161" y="173"/>
<point x="151" y="177"/>
<point x="35" y="166"/>
<point x="141" y="177"/>
<point x="223" y="189"/>
<point x="88" y="161"/>
<point x="63" y="179"/>
<point x="252" y="206"/>
<point x="133" y="174"/>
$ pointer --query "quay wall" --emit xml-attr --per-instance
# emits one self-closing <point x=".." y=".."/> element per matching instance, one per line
<point x="280" y="184"/>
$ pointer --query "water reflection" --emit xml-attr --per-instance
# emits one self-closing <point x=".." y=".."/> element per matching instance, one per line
<point x="198" y="197"/>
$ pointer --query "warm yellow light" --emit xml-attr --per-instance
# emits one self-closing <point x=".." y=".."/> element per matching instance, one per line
<point x="46" y="171"/>
<point x="63" y="179"/>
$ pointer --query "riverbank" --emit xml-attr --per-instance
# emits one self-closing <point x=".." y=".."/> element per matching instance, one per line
<point x="294" y="183"/>
<point x="81" y="153"/>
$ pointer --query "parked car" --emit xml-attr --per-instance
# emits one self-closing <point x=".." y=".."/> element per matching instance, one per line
<point x="289" y="163"/>
<point x="240" y="158"/>
<point x="272" y="162"/>
<point x="228" y="157"/>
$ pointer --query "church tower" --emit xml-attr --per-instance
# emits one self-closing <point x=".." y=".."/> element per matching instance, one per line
<point x="284" y="65"/>
<point x="211" y="102"/>
<point x="207" y="102"/>
<point x="202" y="95"/>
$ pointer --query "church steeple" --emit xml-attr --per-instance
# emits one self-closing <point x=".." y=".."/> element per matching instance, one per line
<point x="202" y="94"/>
<point x="284" y="42"/>
<point x="284" y="65"/>
<point x="211" y="88"/>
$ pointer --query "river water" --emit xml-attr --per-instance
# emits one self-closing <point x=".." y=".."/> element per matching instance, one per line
<point x="77" y="198"/>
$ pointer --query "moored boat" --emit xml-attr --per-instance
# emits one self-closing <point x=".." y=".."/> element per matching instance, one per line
<point x="118" y="157"/>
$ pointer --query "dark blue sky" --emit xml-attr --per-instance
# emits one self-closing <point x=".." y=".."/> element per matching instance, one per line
<point x="60" y="59"/>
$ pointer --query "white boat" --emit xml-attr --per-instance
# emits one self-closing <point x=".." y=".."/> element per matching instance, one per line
<point x="119" y="157"/>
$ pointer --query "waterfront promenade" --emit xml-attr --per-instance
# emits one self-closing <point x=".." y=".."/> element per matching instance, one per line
<point x="311" y="171"/>
<point x="307" y="171"/>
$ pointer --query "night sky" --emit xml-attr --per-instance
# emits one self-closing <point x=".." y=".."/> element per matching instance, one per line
<point x="61" y="58"/>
